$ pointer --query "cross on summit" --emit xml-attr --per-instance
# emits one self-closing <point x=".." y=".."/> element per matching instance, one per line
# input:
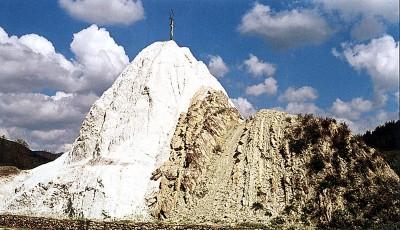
<point x="171" y="25"/>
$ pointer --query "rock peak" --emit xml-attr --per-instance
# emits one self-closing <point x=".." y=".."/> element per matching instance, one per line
<point x="125" y="136"/>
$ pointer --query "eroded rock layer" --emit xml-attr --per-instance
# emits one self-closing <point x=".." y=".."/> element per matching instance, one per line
<point x="272" y="168"/>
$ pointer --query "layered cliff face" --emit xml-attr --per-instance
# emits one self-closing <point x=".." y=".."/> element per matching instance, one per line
<point x="272" y="168"/>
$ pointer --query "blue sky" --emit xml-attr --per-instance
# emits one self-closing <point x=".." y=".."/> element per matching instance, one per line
<point x="333" y="49"/>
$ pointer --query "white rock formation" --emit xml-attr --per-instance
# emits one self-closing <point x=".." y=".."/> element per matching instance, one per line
<point x="124" y="138"/>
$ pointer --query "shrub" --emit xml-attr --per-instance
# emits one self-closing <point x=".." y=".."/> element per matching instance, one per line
<point x="257" y="206"/>
<point x="278" y="220"/>
<point x="298" y="145"/>
<point x="317" y="163"/>
<point x="331" y="181"/>
<point x="217" y="148"/>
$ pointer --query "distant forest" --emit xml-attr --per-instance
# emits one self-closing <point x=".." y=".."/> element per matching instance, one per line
<point x="384" y="137"/>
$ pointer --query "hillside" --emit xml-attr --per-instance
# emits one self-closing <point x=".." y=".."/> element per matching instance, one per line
<point x="17" y="155"/>
<point x="165" y="144"/>
<point x="273" y="168"/>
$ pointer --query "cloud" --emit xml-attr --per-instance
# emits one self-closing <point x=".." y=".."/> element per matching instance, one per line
<point x="379" y="58"/>
<point x="3" y="34"/>
<point x="303" y="108"/>
<point x="46" y="122"/>
<point x="30" y="63"/>
<point x="244" y="106"/>
<point x="305" y="93"/>
<point x="363" y="124"/>
<point x="358" y="113"/>
<point x="258" y="67"/>
<point x="351" y="110"/>
<point x="217" y="66"/>
<point x="99" y="57"/>
<point x="298" y="100"/>
<point x="353" y="113"/>
<point x="368" y="28"/>
<point x="105" y="12"/>
<point x="269" y="87"/>
<point x="49" y="135"/>
<point x="285" y="29"/>
<point x="368" y="18"/>
<point x="350" y="9"/>
<point x="37" y="44"/>
<point x="49" y="111"/>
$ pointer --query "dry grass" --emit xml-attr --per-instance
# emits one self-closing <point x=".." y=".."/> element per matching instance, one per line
<point x="8" y="170"/>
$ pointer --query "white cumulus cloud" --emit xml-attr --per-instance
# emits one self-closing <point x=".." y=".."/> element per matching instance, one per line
<point x="217" y="66"/>
<point x="368" y="28"/>
<point x="46" y="122"/>
<point x="351" y="110"/>
<point x="305" y="93"/>
<point x="380" y="59"/>
<point x="285" y="29"/>
<point x="105" y="12"/>
<point x="350" y="9"/>
<point x="244" y="106"/>
<point x="258" y="67"/>
<point x="368" y="18"/>
<point x="303" y="108"/>
<point x="369" y="122"/>
<point x="269" y="87"/>
<point x="99" y="57"/>
<point x="31" y="65"/>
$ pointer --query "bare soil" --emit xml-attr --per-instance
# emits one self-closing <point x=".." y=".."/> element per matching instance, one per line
<point x="26" y="222"/>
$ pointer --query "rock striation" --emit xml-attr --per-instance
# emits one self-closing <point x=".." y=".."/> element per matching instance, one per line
<point x="274" y="168"/>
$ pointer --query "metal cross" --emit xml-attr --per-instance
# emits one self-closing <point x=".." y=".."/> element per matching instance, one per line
<point x="171" y="25"/>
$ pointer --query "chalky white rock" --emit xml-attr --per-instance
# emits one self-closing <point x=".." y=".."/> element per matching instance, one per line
<point x="125" y="136"/>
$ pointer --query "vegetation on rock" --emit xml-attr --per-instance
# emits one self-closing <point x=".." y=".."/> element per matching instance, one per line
<point x="274" y="169"/>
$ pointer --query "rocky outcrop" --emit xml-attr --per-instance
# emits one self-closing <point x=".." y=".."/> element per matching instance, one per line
<point x="196" y="147"/>
<point x="272" y="168"/>
<point x="125" y="137"/>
